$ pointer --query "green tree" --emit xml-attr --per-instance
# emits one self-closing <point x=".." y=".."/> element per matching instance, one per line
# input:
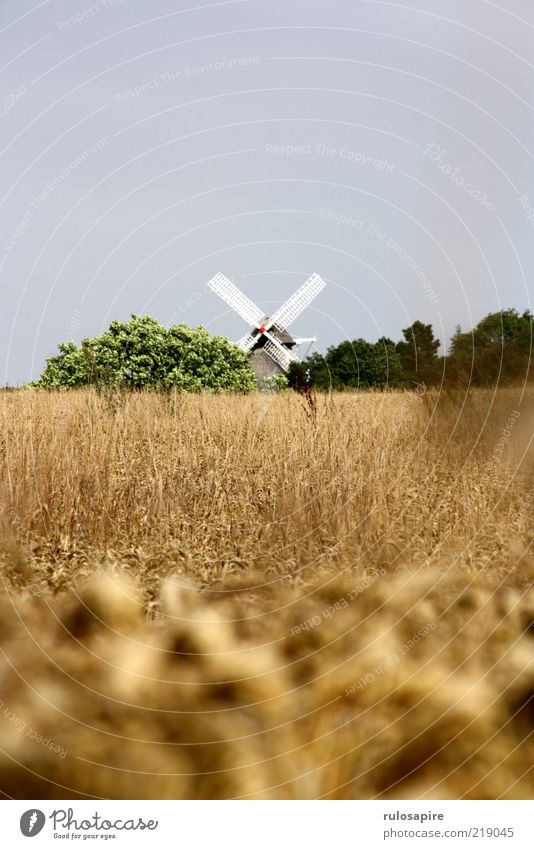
<point x="418" y="354"/>
<point x="143" y="353"/>
<point x="356" y="365"/>
<point x="497" y="350"/>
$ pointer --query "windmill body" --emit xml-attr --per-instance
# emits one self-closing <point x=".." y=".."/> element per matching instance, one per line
<point x="262" y="362"/>
<point x="268" y="341"/>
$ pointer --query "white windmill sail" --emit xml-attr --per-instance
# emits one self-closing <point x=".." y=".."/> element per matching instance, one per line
<point x="235" y="298"/>
<point x="297" y="303"/>
<point x="279" y="353"/>
<point x="247" y="342"/>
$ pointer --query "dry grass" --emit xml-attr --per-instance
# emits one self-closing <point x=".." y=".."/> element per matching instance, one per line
<point x="215" y="596"/>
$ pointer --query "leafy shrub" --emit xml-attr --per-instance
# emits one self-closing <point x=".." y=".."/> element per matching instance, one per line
<point x="275" y="382"/>
<point x="142" y="353"/>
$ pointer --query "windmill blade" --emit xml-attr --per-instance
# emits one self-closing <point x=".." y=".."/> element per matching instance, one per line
<point x="280" y="357"/>
<point x="235" y="298"/>
<point x="296" y="303"/>
<point x="247" y="342"/>
<point x="279" y="353"/>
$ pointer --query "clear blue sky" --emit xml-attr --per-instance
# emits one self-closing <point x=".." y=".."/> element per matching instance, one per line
<point x="387" y="146"/>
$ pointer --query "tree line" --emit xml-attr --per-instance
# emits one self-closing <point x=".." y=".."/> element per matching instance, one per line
<point x="498" y="350"/>
<point x="142" y="353"/>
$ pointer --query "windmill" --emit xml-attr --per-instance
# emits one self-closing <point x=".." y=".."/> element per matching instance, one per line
<point x="268" y="341"/>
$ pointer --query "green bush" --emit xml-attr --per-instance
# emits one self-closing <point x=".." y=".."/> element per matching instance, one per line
<point x="275" y="382"/>
<point x="142" y="353"/>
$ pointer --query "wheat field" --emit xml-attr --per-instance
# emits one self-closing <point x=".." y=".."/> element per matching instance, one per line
<point x="267" y="596"/>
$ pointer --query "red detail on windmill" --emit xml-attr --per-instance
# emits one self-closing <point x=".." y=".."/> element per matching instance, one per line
<point x="262" y="329"/>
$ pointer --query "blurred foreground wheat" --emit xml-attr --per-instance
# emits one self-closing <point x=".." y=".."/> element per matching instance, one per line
<point x="221" y="596"/>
